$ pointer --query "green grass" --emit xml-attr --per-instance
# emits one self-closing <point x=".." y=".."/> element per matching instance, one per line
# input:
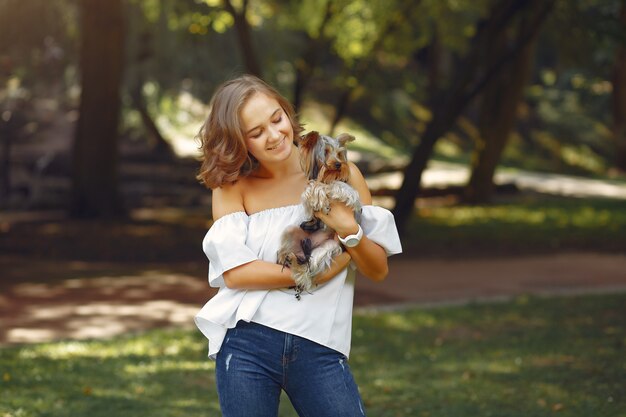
<point x="527" y="357"/>
<point x="527" y="224"/>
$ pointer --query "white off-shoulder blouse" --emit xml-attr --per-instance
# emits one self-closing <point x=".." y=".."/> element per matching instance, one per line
<point x="324" y="315"/>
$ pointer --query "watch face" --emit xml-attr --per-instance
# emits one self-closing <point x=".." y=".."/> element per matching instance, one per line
<point x="352" y="242"/>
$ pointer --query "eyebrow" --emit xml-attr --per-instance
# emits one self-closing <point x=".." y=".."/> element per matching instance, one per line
<point x="273" y="114"/>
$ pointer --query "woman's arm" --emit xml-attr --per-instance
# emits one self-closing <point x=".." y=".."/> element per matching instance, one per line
<point x="260" y="274"/>
<point x="369" y="257"/>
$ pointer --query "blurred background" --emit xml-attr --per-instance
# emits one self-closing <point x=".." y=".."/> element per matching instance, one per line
<point x="495" y="130"/>
<point x="101" y="102"/>
<point x="489" y="128"/>
<point x="455" y="104"/>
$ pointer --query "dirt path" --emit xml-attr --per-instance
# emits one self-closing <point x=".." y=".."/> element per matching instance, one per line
<point x="104" y="300"/>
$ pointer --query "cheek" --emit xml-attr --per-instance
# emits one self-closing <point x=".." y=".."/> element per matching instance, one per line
<point x="286" y="126"/>
<point x="254" y="147"/>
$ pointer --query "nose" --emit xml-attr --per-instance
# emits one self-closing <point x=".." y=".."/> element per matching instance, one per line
<point x="274" y="132"/>
<point x="337" y="165"/>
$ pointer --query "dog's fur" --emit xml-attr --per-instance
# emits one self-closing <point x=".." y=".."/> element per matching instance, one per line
<point x="308" y="249"/>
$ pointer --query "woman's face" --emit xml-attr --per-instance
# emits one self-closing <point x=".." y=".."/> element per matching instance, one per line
<point x="267" y="129"/>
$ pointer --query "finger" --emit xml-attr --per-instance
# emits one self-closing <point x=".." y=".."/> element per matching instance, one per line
<point x="320" y="215"/>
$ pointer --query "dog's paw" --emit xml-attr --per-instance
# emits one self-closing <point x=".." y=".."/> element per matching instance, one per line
<point x="302" y="277"/>
<point x="312" y="225"/>
<point x="292" y="259"/>
<point x="285" y="260"/>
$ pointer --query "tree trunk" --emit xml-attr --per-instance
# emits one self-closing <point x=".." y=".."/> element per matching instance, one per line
<point x="305" y="65"/>
<point x="619" y="99"/>
<point x="406" y="194"/>
<point x="139" y="44"/>
<point x="341" y="108"/>
<point x="498" y="112"/>
<point x="470" y="78"/>
<point x="158" y="144"/>
<point x="7" y="133"/>
<point x="245" y="38"/>
<point x="95" y="192"/>
<point x="434" y="64"/>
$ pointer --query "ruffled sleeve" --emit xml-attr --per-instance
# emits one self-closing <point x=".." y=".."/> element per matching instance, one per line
<point x="379" y="225"/>
<point x="225" y="246"/>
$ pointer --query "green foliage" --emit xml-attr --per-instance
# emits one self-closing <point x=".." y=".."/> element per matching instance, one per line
<point x="379" y="50"/>
<point x="301" y="15"/>
<point x="521" y="358"/>
<point x="151" y="8"/>
<point x="593" y="31"/>
<point x="355" y="27"/>
<point x="453" y="20"/>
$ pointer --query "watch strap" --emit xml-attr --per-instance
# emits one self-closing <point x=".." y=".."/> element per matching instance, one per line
<point x="357" y="236"/>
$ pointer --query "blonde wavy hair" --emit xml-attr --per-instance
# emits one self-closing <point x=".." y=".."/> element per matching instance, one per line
<point x="225" y="156"/>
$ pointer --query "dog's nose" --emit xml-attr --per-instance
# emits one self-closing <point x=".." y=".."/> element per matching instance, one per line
<point x="337" y="165"/>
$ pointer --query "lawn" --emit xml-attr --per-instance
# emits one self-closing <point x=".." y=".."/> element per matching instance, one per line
<point x="520" y="224"/>
<point x="527" y="357"/>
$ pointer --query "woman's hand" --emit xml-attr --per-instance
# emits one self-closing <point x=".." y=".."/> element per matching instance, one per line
<point x="370" y="258"/>
<point x="340" y="219"/>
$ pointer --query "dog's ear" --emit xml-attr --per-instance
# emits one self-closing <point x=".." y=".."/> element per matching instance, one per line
<point x="309" y="140"/>
<point x="308" y="159"/>
<point x="345" y="138"/>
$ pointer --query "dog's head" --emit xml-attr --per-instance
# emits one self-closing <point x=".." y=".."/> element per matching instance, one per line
<point x="325" y="158"/>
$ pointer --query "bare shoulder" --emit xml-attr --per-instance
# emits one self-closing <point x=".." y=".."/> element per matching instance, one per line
<point x="227" y="199"/>
<point x="357" y="181"/>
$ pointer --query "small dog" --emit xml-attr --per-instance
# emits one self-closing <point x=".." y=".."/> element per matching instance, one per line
<point x="309" y="248"/>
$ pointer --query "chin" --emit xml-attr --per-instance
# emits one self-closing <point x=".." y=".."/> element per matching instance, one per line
<point x="286" y="153"/>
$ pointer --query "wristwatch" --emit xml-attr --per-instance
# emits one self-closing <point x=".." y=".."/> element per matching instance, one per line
<point x="351" y="241"/>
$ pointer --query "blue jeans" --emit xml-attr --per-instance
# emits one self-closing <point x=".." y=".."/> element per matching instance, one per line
<point x="256" y="362"/>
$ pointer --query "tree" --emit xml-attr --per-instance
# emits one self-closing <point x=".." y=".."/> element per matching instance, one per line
<point x="305" y="65"/>
<point x="498" y="108"/>
<point x="619" y="96"/>
<point x="245" y="37"/>
<point x="140" y="51"/>
<point x="356" y="68"/>
<point x="469" y="78"/>
<point x="95" y="159"/>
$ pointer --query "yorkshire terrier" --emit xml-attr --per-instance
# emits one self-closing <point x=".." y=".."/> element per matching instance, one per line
<point x="309" y="248"/>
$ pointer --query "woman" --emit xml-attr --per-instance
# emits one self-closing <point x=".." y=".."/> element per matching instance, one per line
<point x="262" y="337"/>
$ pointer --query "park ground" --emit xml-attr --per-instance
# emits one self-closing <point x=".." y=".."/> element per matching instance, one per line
<point x="71" y="279"/>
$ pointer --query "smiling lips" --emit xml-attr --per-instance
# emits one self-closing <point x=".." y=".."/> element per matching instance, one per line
<point x="277" y="145"/>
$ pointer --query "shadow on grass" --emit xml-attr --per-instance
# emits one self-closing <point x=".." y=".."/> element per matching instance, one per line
<point x="104" y="305"/>
<point x="523" y="358"/>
